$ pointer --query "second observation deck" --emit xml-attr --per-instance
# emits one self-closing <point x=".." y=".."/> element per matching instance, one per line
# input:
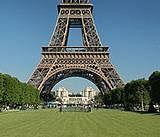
<point x="74" y="49"/>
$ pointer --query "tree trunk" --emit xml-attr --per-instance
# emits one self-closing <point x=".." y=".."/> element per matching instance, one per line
<point x="142" y="104"/>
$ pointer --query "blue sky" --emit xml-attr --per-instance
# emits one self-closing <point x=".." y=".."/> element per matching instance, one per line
<point x="131" y="28"/>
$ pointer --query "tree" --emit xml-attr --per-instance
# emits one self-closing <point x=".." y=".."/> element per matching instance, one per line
<point x="136" y="94"/>
<point x="98" y="99"/>
<point x="107" y="99"/>
<point x="1" y="91"/>
<point x="14" y="93"/>
<point x="47" y="96"/>
<point x="117" y="96"/>
<point x="154" y="81"/>
<point x="114" y="98"/>
<point x="29" y="95"/>
<point x="7" y="87"/>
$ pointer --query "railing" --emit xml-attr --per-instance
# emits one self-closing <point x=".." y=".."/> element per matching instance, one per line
<point x="74" y="49"/>
<point x="75" y="1"/>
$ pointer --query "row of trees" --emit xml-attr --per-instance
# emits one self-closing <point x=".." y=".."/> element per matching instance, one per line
<point x="137" y="94"/>
<point x="14" y="93"/>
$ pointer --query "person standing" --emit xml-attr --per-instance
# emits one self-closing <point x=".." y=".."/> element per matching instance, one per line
<point x="60" y="109"/>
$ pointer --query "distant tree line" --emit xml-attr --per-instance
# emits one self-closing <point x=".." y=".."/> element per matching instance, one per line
<point x="138" y="94"/>
<point x="75" y="95"/>
<point x="14" y="93"/>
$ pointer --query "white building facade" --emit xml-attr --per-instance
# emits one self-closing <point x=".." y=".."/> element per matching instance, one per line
<point x="88" y="95"/>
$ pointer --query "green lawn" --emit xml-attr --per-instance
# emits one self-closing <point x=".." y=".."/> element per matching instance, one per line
<point x="101" y="123"/>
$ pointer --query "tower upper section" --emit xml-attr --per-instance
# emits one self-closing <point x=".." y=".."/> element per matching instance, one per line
<point x="75" y="14"/>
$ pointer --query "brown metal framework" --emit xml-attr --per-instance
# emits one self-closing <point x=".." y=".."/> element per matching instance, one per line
<point x="90" y="61"/>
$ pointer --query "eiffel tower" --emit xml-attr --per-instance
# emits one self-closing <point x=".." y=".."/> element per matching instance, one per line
<point x="60" y="61"/>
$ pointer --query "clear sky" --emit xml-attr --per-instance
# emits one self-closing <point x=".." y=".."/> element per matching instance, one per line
<point x="131" y="28"/>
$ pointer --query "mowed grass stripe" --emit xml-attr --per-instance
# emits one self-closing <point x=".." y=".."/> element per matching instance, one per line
<point x="42" y="125"/>
<point x="118" y="124"/>
<point x="28" y="123"/>
<point x="115" y="125"/>
<point x="101" y="123"/>
<point x="49" y="124"/>
<point x="74" y="125"/>
<point x="133" y="124"/>
<point x="106" y="124"/>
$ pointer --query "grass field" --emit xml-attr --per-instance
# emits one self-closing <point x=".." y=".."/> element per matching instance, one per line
<point x="101" y="123"/>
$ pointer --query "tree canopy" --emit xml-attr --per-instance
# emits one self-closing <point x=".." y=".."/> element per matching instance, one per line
<point x="136" y="94"/>
<point x="154" y="80"/>
<point x="14" y="93"/>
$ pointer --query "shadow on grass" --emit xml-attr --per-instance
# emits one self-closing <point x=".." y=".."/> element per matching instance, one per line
<point x="147" y="113"/>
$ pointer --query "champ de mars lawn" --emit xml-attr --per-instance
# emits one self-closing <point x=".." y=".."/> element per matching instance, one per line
<point x="101" y="123"/>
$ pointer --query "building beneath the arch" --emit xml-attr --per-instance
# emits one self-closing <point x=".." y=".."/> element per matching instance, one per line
<point x="89" y="92"/>
<point x="86" y="96"/>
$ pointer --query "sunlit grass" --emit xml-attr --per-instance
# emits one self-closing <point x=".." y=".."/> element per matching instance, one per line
<point x="101" y="123"/>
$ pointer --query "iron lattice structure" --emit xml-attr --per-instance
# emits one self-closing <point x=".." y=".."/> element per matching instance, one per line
<point x="90" y="61"/>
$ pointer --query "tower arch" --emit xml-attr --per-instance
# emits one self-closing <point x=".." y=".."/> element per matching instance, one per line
<point x="60" y="75"/>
